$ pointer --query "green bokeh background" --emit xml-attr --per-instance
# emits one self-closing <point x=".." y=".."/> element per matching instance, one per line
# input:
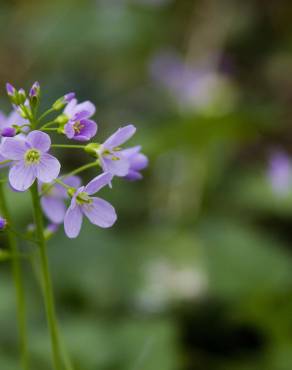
<point x="197" y="272"/>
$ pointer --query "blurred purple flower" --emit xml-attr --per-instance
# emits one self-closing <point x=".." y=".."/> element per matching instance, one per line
<point x="137" y="162"/>
<point x="30" y="160"/>
<point x="53" y="200"/>
<point x="280" y="172"/>
<point x="98" y="211"/>
<point x="193" y="86"/>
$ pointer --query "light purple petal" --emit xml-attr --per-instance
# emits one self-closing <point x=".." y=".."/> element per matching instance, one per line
<point x="39" y="140"/>
<point x="73" y="222"/>
<point x="118" y="167"/>
<point x="120" y="136"/>
<point x="70" y="108"/>
<point x="69" y="130"/>
<point x="97" y="183"/>
<point x="131" y="152"/>
<point x="54" y="209"/>
<point x="86" y="106"/>
<point x="100" y="212"/>
<point x="21" y="177"/>
<point x="13" y="148"/>
<point x="133" y="176"/>
<point x="48" y="169"/>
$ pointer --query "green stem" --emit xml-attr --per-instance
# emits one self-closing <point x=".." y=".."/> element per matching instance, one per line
<point x="47" y="284"/>
<point x="81" y="169"/>
<point x="46" y="113"/>
<point x="68" y="146"/>
<point x="18" y="282"/>
<point x="49" y="129"/>
<point x="48" y="124"/>
<point x="72" y="173"/>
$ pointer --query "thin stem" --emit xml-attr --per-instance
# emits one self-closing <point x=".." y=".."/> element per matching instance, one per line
<point x="58" y="181"/>
<point x="48" y="124"/>
<point x="46" y="113"/>
<point x="72" y="173"/>
<point x="81" y="169"/>
<point x="68" y="146"/>
<point x="18" y="282"/>
<point x="46" y="278"/>
<point x="49" y="129"/>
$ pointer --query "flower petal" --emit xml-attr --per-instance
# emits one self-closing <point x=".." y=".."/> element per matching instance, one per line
<point x="21" y="176"/>
<point x="70" y="108"/>
<point x="100" y="212"/>
<point x="39" y="140"/>
<point x="69" y="130"/>
<point x="73" y="221"/>
<point x="133" y="176"/>
<point x="86" y="106"/>
<point x="48" y="169"/>
<point x="13" y="148"/>
<point x="120" y="136"/>
<point x="117" y="167"/>
<point x="88" y="130"/>
<point x="54" y="209"/>
<point x="97" y="183"/>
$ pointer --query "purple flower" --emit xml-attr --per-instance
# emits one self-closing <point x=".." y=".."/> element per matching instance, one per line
<point x="280" y="172"/>
<point x="98" y="211"/>
<point x="110" y="154"/>
<point x="53" y="200"/>
<point x="30" y="160"/>
<point x="3" y="223"/>
<point x="79" y="126"/>
<point x="7" y="123"/>
<point x="137" y="161"/>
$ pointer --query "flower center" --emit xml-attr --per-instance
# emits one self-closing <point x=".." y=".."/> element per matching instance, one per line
<point x="78" y="127"/>
<point x="83" y="198"/>
<point x="32" y="156"/>
<point x="111" y="153"/>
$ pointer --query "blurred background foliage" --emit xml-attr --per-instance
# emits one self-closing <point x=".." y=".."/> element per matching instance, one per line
<point x="197" y="272"/>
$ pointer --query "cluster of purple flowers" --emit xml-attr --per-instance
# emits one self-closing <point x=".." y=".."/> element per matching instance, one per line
<point x="25" y="147"/>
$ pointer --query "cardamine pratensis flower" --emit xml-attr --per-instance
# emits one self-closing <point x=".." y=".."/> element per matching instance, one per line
<point x="110" y="154"/>
<point x="30" y="160"/>
<point x="53" y="199"/>
<point x="137" y="161"/>
<point x="98" y="211"/>
<point x="79" y="127"/>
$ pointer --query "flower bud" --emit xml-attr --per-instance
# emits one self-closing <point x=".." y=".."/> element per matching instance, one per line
<point x="8" y="132"/>
<point x="63" y="101"/>
<point x="21" y="96"/>
<point x="34" y="95"/>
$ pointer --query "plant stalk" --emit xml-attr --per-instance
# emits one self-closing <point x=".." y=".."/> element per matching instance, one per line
<point x="46" y="280"/>
<point x="18" y="283"/>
